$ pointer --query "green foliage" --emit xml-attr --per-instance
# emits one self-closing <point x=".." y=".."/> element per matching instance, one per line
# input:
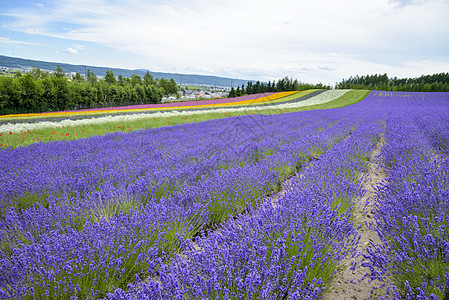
<point x="148" y="79"/>
<point x="427" y="270"/>
<point x="36" y="73"/>
<point x="109" y="78"/>
<point x="77" y="77"/>
<point x="30" y="200"/>
<point x="58" y="73"/>
<point x="38" y="92"/>
<point x="426" y="83"/>
<point x="283" y="85"/>
<point x="169" y="86"/>
<point x="135" y="80"/>
<point x="10" y="93"/>
<point x="91" y="77"/>
<point x="31" y="91"/>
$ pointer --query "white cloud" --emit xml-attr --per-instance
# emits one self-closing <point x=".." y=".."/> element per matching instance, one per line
<point x="9" y="42"/>
<point x="71" y="50"/>
<point x="253" y="39"/>
<point x="79" y="47"/>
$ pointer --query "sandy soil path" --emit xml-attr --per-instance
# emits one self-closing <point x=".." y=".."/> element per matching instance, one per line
<point x="346" y="284"/>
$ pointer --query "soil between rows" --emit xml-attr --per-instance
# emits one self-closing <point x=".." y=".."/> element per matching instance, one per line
<point x="348" y="284"/>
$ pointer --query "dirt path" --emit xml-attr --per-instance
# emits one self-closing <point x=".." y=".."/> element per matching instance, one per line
<point x="346" y="284"/>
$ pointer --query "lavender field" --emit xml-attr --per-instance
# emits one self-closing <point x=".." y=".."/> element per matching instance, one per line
<point x="249" y="207"/>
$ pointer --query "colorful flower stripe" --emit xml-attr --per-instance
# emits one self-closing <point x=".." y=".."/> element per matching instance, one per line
<point x="168" y="106"/>
<point x="318" y="99"/>
<point x="232" y="104"/>
<point x="252" y="101"/>
<point x="295" y="96"/>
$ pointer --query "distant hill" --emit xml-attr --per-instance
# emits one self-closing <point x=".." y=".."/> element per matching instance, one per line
<point x="14" y="62"/>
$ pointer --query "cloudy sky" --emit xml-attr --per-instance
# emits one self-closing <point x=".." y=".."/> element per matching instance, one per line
<point x="311" y="40"/>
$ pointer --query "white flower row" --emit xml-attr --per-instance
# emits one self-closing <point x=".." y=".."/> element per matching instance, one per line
<point x="319" y="99"/>
<point x="325" y="97"/>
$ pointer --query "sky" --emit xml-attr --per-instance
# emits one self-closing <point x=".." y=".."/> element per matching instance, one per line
<point x="310" y="40"/>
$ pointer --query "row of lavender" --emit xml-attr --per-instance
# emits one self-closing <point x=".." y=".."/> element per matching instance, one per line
<point x="412" y="207"/>
<point x="80" y="218"/>
<point x="289" y="249"/>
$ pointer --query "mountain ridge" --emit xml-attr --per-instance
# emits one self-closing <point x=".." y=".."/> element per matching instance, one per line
<point x="195" y="79"/>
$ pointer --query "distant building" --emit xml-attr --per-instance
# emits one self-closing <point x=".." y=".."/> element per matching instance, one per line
<point x="204" y="94"/>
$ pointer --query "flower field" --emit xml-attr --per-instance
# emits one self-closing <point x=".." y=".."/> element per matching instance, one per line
<point x="21" y="132"/>
<point x="412" y="214"/>
<point x="135" y="113"/>
<point x="256" y="206"/>
<point x="205" y="104"/>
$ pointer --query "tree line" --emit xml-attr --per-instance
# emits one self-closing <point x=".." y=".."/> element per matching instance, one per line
<point x="38" y="91"/>
<point x="425" y="83"/>
<point x="282" y="85"/>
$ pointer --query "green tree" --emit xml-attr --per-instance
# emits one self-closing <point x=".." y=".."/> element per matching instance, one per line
<point x="90" y="95"/>
<point x="91" y="77"/>
<point x="130" y="94"/>
<point x="135" y="80"/>
<point x="76" y="93"/>
<point x="249" y="88"/>
<point x="77" y="77"/>
<point x="149" y="93"/>
<point x="61" y="92"/>
<point x="140" y="93"/>
<point x="120" y="80"/>
<point x="49" y="94"/>
<point x="158" y="93"/>
<point x="148" y="79"/>
<point x="238" y="92"/>
<point x="36" y="73"/>
<point x="59" y="73"/>
<point x="109" y="78"/>
<point x="10" y="93"/>
<point x="170" y="87"/>
<point x="31" y="93"/>
<point x="231" y="93"/>
<point x="121" y="94"/>
<point x="113" y="95"/>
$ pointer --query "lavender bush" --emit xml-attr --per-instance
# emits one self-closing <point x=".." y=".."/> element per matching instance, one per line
<point x="286" y="250"/>
<point x="80" y="218"/>
<point x="184" y="211"/>
<point x="412" y="205"/>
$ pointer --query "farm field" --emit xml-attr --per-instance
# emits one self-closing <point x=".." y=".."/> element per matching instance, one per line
<point x="31" y="129"/>
<point x="252" y="202"/>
